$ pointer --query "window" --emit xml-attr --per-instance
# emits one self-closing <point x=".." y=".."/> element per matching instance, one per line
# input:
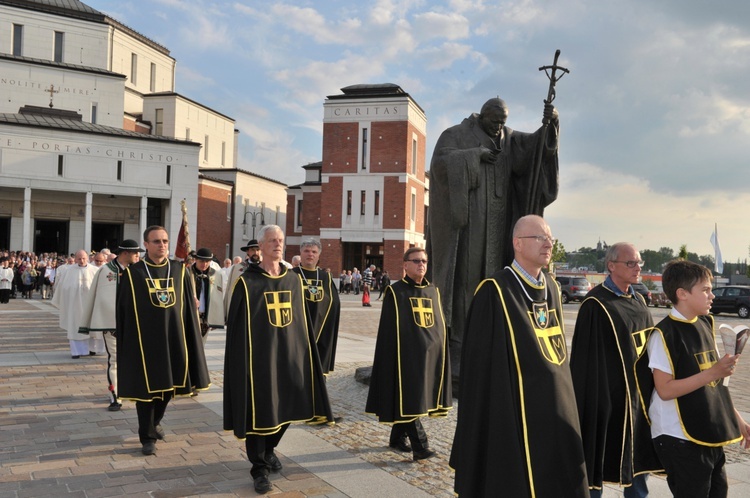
<point x="413" y="214"/>
<point x="349" y="202"/>
<point x="159" y="124"/>
<point x="169" y="174"/>
<point x="205" y="148"/>
<point x="377" y="203"/>
<point x="278" y="212"/>
<point x="134" y="68"/>
<point x="187" y="133"/>
<point x="299" y="212"/>
<point x="414" y="156"/>
<point x="223" y="152"/>
<point x="58" y="48"/>
<point x="364" y="148"/>
<point x="152" y="84"/>
<point x="60" y="164"/>
<point x="18" y="39"/>
<point x="119" y="171"/>
<point x="93" y="113"/>
<point x="229" y="207"/>
<point x="362" y="201"/>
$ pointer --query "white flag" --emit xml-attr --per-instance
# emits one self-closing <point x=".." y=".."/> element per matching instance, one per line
<point x="718" y="263"/>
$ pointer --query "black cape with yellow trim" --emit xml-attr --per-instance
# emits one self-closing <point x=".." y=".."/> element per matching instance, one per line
<point x="324" y="310"/>
<point x="611" y="332"/>
<point x="159" y="346"/>
<point x="707" y="414"/>
<point x="272" y="373"/>
<point x="411" y="369"/>
<point x="517" y="432"/>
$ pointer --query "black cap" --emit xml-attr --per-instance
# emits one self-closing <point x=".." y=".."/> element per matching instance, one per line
<point x="204" y="253"/>
<point x="252" y="243"/>
<point x="129" y="245"/>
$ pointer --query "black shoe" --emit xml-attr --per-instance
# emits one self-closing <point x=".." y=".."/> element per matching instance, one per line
<point x="92" y="353"/>
<point x="262" y="485"/>
<point x="149" y="448"/>
<point x="159" y="432"/>
<point x="114" y="406"/>
<point x="75" y="357"/>
<point x="273" y="462"/>
<point x="422" y="455"/>
<point x="337" y="419"/>
<point x="400" y="445"/>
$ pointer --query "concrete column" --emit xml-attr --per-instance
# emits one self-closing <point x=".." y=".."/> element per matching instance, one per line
<point x="28" y="233"/>
<point x="87" y="223"/>
<point x="143" y="218"/>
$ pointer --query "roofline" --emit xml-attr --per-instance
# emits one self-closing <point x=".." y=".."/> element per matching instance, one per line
<point x="238" y="170"/>
<point x="54" y="9"/>
<point x="213" y="179"/>
<point x="175" y="94"/>
<point x="61" y="65"/>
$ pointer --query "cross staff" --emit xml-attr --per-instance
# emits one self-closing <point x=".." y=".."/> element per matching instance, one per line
<point x="551" y="94"/>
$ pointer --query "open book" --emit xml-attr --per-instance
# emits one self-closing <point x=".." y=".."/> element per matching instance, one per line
<point x="734" y="339"/>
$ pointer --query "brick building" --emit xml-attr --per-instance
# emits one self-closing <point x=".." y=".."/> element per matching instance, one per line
<point x="366" y="200"/>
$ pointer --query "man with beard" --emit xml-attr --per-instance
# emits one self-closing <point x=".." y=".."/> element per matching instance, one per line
<point x="99" y="309"/>
<point x="71" y="289"/>
<point x="253" y="258"/>
<point x="159" y="347"/>
<point x="517" y="428"/>
<point x="209" y="291"/>
<point x="322" y="300"/>
<point x="272" y="373"/>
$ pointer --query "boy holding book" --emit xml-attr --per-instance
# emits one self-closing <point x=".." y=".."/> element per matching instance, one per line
<point x="680" y="380"/>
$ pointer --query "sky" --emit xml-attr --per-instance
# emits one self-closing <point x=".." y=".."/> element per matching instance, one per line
<point x="654" y="114"/>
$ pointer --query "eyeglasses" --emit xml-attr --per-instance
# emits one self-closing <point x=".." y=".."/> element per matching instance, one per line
<point x="631" y="264"/>
<point x="540" y="238"/>
<point x="417" y="261"/>
<point x="158" y="241"/>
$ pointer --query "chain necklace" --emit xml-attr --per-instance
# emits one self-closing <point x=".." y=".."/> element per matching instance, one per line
<point x="153" y="284"/>
<point x="523" y="288"/>
<point x="312" y="289"/>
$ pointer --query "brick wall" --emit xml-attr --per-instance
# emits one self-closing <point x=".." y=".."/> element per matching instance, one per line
<point x="340" y="142"/>
<point x="213" y="230"/>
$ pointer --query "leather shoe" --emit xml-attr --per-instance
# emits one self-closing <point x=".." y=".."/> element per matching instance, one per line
<point x="422" y="455"/>
<point x="273" y="462"/>
<point x="262" y="484"/>
<point x="149" y="448"/>
<point x="159" y="432"/>
<point x="114" y="406"/>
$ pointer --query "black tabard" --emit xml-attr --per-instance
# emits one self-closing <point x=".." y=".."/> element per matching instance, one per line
<point x="411" y="370"/>
<point x="517" y="432"/>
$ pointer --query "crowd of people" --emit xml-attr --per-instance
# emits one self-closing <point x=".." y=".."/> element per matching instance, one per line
<point x="534" y="419"/>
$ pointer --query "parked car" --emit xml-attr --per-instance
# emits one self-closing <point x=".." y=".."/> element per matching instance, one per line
<point x="641" y="289"/>
<point x="573" y="288"/>
<point x="732" y="299"/>
<point x="660" y="299"/>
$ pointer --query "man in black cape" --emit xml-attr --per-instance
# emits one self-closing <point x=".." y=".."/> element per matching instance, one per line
<point x="159" y="348"/>
<point x="411" y="370"/>
<point x="322" y="300"/>
<point x="517" y="432"/>
<point x="272" y="372"/>
<point x="611" y="332"/>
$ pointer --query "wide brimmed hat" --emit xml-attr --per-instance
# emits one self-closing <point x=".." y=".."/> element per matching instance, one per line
<point x="128" y="245"/>
<point x="252" y="243"/>
<point x="204" y="253"/>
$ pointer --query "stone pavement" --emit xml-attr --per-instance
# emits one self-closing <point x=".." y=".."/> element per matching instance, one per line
<point x="57" y="437"/>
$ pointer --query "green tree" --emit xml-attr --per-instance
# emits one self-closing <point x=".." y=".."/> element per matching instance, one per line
<point x="558" y="252"/>
<point x="683" y="252"/>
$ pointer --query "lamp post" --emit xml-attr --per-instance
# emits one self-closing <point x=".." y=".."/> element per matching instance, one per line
<point x="254" y="220"/>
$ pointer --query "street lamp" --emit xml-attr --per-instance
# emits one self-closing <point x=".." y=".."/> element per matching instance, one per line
<point x="254" y="215"/>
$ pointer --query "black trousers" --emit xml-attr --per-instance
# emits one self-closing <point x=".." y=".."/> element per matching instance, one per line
<point x="693" y="470"/>
<point x="415" y="432"/>
<point x="258" y="447"/>
<point x="150" y="414"/>
<point x="4" y="296"/>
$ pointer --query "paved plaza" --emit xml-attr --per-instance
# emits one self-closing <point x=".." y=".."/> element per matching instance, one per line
<point x="57" y="437"/>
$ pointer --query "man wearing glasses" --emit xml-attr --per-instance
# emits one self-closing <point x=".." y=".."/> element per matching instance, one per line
<point x="610" y="334"/>
<point x="517" y="427"/>
<point x="411" y="370"/>
<point x="159" y="348"/>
